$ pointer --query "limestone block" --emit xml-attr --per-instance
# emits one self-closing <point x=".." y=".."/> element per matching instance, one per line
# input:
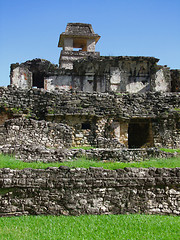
<point x="60" y="82"/>
<point x="137" y="87"/>
<point x="115" y="75"/>
<point x="91" y="45"/>
<point x="88" y="84"/>
<point x="162" y="82"/>
<point x="21" y="77"/>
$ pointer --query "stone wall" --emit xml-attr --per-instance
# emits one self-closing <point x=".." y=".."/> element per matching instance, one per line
<point x="33" y="153"/>
<point x="159" y="111"/>
<point x="117" y="74"/>
<point x="68" y="57"/>
<point x="64" y="191"/>
<point x="114" y="74"/>
<point x="166" y="131"/>
<point x="33" y="140"/>
<point x="31" y="73"/>
<point x="43" y="103"/>
<point x="119" y="155"/>
<point x="94" y="73"/>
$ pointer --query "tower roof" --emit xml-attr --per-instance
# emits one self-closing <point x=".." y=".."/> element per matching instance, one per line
<point x="78" y="30"/>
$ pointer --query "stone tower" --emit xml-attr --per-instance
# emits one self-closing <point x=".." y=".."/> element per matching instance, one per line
<point x="78" y="41"/>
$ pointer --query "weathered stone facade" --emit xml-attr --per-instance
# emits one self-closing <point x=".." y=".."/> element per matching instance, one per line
<point x="101" y="120"/>
<point x="85" y="70"/>
<point x="64" y="191"/>
<point x="31" y="73"/>
<point x="31" y="140"/>
<point x="100" y="74"/>
<point x="77" y="36"/>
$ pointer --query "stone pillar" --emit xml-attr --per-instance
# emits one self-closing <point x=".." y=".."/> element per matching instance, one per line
<point x="91" y="45"/>
<point x="163" y="80"/>
<point x="68" y="44"/>
<point x="21" y="77"/>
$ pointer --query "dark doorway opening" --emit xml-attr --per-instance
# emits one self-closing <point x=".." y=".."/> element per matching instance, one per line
<point x="140" y="134"/>
<point x="86" y="125"/>
<point x="38" y="79"/>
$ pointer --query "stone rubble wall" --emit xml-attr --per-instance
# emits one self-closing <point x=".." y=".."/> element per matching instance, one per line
<point x="34" y="139"/>
<point x="32" y="153"/>
<point x="65" y="191"/>
<point x="42" y="103"/>
<point x="166" y="131"/>
<point x="119" y="155"/>
<point x="161" y="108"/>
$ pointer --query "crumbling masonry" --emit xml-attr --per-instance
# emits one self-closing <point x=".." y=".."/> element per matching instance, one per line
<point x="125" y="107"/>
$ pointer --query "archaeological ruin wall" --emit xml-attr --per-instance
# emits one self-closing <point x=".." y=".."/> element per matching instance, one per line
<point x="82" y="68"/>
<point x="32" y="140"/>
<point x="31" y="73"/>
<point x="102" y="74"/>
<point x="65" y="191"/>
<point x="101" y="120"/>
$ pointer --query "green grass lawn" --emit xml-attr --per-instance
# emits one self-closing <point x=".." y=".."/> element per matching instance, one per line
<point x="11" y="162"/>
<point x="90" y="227"/>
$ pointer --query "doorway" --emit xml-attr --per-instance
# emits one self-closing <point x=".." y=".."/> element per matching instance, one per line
<point x="140" y="134"/>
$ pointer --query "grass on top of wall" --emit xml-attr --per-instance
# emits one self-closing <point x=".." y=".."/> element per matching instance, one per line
<point x="11" y="162"/>
<point x="134" y="227"/>
<point x="170" y="150"/>
<point x="84" y="147"/>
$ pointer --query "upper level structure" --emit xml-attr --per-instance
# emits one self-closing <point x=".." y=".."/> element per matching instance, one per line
<point x="85" y="70"/>
<point x="78" y="41"/>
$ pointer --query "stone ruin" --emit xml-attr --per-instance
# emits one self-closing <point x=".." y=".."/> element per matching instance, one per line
<point x="85" y="70"/>
<point x="105" y="102"/>
<point x="125" y="107"/>
<point x="77" y="36"/>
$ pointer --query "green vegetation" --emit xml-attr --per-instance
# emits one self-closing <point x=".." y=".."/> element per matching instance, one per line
<point x="134" y="227"/>
<point x="16" y="110"/>
<point x="51" y="111"/>
<point x="84" y="147"/>
<point x="29" y="114"/>
<point x="170" y="150"/>
<point x="11" y="162"/>
<point x="3" y="191"/>
<point x="118" y="93"/>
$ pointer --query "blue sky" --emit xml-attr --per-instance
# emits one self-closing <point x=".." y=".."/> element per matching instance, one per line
<point x="31" y="28"/>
